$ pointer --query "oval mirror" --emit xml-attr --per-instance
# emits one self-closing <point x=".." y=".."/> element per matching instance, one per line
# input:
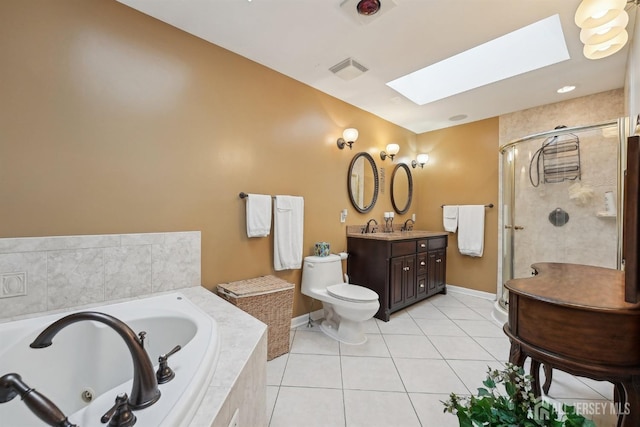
<point x="362" y="182"/>
<point x="401" y="188"/>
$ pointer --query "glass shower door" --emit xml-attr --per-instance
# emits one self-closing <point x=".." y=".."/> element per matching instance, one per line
<point x="508" y="180"/>
<point x="560" y="200"/>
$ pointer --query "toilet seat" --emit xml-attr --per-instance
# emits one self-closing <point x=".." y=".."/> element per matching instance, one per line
<point x="352" y="293"/>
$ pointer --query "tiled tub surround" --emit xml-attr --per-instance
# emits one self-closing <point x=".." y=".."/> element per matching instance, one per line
<point x="38" y="274"/>
<point x="135" y="266"/>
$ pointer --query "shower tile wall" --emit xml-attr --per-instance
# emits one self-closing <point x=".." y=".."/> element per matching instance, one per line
<point x="586" y="238"/>
<point x="49" y="273"/>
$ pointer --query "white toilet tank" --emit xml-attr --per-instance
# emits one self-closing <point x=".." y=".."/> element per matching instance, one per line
<point x="320" y="272"/>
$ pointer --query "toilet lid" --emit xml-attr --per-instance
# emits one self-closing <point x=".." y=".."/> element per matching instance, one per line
<point x="353" y="293"/>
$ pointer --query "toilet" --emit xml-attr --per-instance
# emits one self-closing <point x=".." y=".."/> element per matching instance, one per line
<point x="346" y="306"/>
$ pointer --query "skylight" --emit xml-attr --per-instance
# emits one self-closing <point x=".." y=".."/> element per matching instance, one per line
<point x="529" y="48"/>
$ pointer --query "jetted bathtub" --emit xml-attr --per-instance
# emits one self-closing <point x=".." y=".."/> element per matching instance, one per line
<point x="88" y="364"/>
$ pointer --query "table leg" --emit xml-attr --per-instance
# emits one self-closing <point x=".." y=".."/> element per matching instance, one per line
<point x="535" y="374"/>
<point x="516" y="355"/>
<point x="629" y="415"/>
<point x="548" y="376"/>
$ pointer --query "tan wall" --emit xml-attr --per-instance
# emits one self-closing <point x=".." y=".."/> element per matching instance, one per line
<point x="113" y="122"/>
<point x="462" y="170"/>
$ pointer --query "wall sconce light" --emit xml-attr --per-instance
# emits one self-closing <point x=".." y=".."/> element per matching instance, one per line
<point x="602" y="24"/>
<point x="421" y="160"/>
<point x="349" y="136"/>
<point x="392" y="150"/>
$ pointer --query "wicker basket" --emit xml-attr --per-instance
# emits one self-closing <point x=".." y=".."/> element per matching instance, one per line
<point x="268" y="299"/>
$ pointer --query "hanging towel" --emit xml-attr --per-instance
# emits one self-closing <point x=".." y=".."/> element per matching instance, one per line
<point x="258" y="215"/>
<point x="471" y="230"/>
<point x="450" y="218"/>
<point x="288" y="225"/>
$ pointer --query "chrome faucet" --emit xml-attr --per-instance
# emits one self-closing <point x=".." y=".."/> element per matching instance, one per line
<point x="372" y="229"/>
<point x="144" y="391"/>
<point x="12" y="385"/>
<point x="407" y="226"/>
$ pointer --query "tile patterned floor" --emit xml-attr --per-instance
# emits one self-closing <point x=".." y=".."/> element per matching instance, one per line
<point x="403" y="371"/>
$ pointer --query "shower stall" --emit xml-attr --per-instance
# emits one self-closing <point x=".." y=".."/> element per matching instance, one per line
<point x="561" y="200"/>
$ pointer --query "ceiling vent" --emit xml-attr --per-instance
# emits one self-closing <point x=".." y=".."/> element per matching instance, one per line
<point x="348" y="69"/>
<point x="350" y="7"/>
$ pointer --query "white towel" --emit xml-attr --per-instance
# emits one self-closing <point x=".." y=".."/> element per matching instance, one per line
<point x="288" y="225"/>
<point x="258" y="215"/>
<point x="450" y="218"/>
<point x="471" y="230"/>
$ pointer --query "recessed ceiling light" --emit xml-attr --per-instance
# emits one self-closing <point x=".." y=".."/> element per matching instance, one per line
<point x="529" y="48"/>
<point x="458" y="117"/>
<point x="565" y="89"/>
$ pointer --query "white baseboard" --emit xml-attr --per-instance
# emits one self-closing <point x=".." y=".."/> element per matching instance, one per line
<point x="472" y="292"/>
<point x="304" y="318"/>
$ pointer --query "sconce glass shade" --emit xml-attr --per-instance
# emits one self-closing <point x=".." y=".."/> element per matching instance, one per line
<point x="602" y="50"/>
<point x="594" y="13"/>
<point x="392" y="149"/>
<point x="350" y="134"/>
<point x="422" y="158"/>
<point x="606" y="31"/>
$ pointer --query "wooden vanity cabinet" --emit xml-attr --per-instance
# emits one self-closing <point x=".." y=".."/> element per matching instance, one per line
<point x="437" y="266"/>
<point x="403" y="281"/>
<point x="402" y="271"/>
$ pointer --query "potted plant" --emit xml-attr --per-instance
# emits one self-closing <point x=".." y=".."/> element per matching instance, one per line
<point x="517" y="408"/>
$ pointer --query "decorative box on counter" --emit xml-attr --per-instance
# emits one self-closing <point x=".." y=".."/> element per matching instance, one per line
<point x="268" y="299"/>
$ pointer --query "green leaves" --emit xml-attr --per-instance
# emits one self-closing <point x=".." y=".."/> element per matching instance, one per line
<point x="519" y="408"/>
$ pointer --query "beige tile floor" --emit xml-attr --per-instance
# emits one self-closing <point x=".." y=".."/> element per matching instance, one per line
<point x="405" y="369"/>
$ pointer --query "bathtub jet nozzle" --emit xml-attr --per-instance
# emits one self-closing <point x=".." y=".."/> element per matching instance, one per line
<point x="144" y="391"/>
<point x="11" y="385"/>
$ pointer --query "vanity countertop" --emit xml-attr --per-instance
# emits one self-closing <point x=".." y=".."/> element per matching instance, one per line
<point x="397" y="235"/>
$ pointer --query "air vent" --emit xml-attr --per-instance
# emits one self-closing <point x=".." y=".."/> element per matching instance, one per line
<point x="348" y="69"/>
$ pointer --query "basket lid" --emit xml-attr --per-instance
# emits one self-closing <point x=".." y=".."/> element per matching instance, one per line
<point x="255" y="286"/>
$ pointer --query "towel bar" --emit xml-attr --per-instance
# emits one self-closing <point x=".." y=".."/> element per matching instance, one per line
<point x="244" y="195"/>
<point x="490" y="205"/>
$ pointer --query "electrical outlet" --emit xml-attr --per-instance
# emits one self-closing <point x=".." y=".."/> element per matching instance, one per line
<point x="343" y="215"/>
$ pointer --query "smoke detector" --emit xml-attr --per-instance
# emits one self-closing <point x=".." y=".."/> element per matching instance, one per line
<point x="366" y="11"/>
<point x="348" y="69"/>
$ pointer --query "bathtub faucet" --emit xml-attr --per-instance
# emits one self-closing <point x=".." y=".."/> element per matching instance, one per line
<point x="12" y="385"/>
<point x="144" y="391"/>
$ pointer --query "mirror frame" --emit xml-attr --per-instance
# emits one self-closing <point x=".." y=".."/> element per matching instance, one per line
<point x="368" y="157"/>
<point x="409" y="196"/>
